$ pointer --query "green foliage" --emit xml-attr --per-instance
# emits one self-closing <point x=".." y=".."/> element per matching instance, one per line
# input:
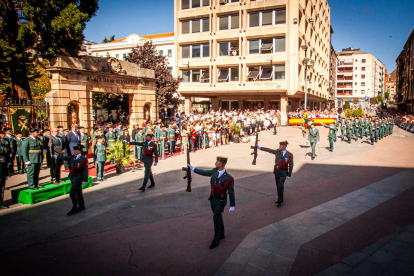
<point x="387" y="95"/>
<point x="348" y="113"/>
<point x="236" y="128"/>
<point x="166" y="85"/>
<point x="120" y="153"/>
<point x="379" y="99"/>
<point x="111" y="38"/>
<point x="110" y="101"/>
<point x="50" y="28"/>
<point x="391" y="102"/>
<point x="347" y="105"/>
<point x="39" y="81"/>
<point x="358" y="112"/>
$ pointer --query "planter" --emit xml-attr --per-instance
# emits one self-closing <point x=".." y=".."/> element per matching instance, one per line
<point x="120" y="169"/>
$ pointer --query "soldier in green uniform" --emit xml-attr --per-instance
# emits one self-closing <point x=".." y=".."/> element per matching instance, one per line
<point x="157" y="135"/>
<point x="139" y="138"/>
<point x="331" y="135"/>
<point x="361" y="128"/>
<point x="377" y="127"/>
<point x="110" y="137"/>
<point x="21" y="167"/>
<point x="221" y="183"/>
<point x="78" y="176"/>
<point x="12" y="148"/>
<point x="392" y="125"/>
<point x="119" y="131"/>
<point x="32" y="155"/>
<point x="371" y="130"/>
<point x="348" y="124"/>
<point x="343" y="128"/>
<point x="163" y="136"/>
<point x="283" y="167"/>
<point x="313" y="138"/>
<point x="355" y="128"/>
<point x="171" y="140"/>
<point x="99" y="153"/>
<point x="4" y="174"/>
<point x="84" y="141"/>
<point x="150" y="149"/>
<point x="367" y="126"/>
<point x="147" y="127"/>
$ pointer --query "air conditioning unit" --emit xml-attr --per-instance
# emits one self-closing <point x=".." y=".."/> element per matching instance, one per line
<point x="223" y="2"/>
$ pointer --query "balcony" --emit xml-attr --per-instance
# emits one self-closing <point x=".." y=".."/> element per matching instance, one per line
<point x="345" y="79"/>
<point x="344" y="93"/>
<point x="344" y="86"/>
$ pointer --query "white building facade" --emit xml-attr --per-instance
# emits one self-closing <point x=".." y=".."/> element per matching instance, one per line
<point x="360" y="77"/>
<point x="164" y="44"/>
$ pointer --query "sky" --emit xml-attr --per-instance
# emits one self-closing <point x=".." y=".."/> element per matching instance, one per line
<point x="379" y="27"/>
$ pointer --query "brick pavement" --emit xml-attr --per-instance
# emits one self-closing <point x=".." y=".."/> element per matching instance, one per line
<point x="167" y="231"/>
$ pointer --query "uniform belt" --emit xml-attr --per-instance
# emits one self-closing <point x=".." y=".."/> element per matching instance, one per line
<point x="84" y="143"/>
<point x="109" y="140"/>
<point x="313" y="136"/>
<point x="34" y="150"/>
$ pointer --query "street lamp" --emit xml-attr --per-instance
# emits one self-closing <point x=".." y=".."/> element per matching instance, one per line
<point x="305" y="48"/>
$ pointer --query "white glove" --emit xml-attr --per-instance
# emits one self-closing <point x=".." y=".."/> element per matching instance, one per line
<point x="28" y="163"/>
<point x="17" y="155"/>
<point x="8" y="164"/>
<point x="84" y="182"/>
<point x="259" y="147"/>
<point x="191" y="167"/>
<point x="307" y="142"/>
<point x="318" y="142"/>
<point x="11" y="155"/>
<point x="287" y="177"/>
<point x="55" y="156"/>
<point x="231" y="209"/>
<point x="45" y="150"/>
<point x="155" y="164"/>
<point x="7" y="177"/>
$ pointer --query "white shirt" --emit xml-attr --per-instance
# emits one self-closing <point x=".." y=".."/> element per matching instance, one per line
<point x="221" y="173"/>
<point x="283" y="152"/>
<point x="77" y="156"/>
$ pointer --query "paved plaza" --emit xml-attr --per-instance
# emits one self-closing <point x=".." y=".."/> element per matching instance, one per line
<point x="349" y="212"/>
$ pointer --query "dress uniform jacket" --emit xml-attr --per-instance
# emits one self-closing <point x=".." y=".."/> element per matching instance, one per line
<point x="32" y="152"/>
<point x="84" y="141"/>
<point x="110" y="138"/>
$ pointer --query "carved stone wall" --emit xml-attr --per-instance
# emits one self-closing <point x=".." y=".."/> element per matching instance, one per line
<point x="74" y="79"/>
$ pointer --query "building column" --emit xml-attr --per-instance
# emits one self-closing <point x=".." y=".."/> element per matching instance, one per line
<point x="187" y="105"/>
<point x="283" y="110"/>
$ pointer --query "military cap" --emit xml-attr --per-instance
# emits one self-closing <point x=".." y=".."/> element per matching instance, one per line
<point x="59" y="126"/>
<point x="98" y="137"/>
<point x="34" y="130"/>
<point x="17" y="132"/>
<point x="1" y="132"/>
<point x="6" y="129"/>
<point x="222" y="159"/>
<point x="78" y="147"/>
<point x="285" y="143"/>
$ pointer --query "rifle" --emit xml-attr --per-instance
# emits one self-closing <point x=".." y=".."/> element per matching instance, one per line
<point x="188" y="170"/>
<point x="255" y="149"/>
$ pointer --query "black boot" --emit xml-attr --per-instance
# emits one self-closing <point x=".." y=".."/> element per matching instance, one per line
<point x="74" y="209"/>
<point x="214" y="243"/>
<point x="152" y="181"/>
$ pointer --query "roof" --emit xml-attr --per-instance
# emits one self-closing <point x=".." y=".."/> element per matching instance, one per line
<point x="158" y="35"/>
<point x="118" y="40"/>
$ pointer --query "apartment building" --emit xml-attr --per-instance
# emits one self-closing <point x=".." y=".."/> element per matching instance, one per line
<point x="164" y="44"/>
<point x="405" y="76"/>
<point x="332" y="77"/>
<point x="360" y="77"/>
<point x="251" y="54"/>
<point x="390" y="84"/>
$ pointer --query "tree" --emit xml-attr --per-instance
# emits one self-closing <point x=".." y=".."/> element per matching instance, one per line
<point x="34" y="30"/>
<point x="347" y="105"/>
<point x="387" y="95"/>
<point x="358" y="112"/>
<point x="379" y="99"/>
<point x="166" y="85"/>
<point x="111" y="38"/>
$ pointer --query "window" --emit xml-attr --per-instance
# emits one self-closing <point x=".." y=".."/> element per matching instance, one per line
<point x="195" y="75"/>
<point x="228" y="22"/>
<point x="356" y="83"/>
<point x="170" y="53"/>
<point x="362" y="91"/>
<point x="356" y="68"/>
<point x="229" y="48"/>
<point x="356" y="60"/>
<point x="190" y="4"/>
<point x="195" y="51"/>
<point x="362" y="76"/>
<point x="228" y="74"/>
<point x="363" y="68"/>
<point x="195" y="26"/>
<point x="266" y="73"/>
<point x="267" y="45"/>
<point x="364" y="61"/>
<point x="233" y="1"/>
<point x="117" y="55"/>
<point x="267" y="18"/>
<point x="161" y="52"/>
<point x="124" y="56"/>
<point x="362" y="83"/>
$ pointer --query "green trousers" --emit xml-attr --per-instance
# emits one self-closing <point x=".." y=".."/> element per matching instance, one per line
<point x="33" y="175"/>
<point x="139" y="153"/>
<point x="372" y="136"/>
<point x="356" y="134"/>
<point x="331" y="143"/>
<point x="217" y="206"/>
<point x="342" y="133"/>
<point x="100" y="170"/>
<point x="348" y="135"/>
<point x="313" y="146"/>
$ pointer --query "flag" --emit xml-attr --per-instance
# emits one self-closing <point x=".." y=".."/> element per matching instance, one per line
<point x="20" y="118"/>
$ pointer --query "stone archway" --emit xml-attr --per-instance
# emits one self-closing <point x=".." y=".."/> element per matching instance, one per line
<point x="74" y="79"/>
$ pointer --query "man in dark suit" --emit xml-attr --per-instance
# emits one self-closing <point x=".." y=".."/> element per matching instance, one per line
<point x="73" y="138"/>
<point x="55" y="148"/>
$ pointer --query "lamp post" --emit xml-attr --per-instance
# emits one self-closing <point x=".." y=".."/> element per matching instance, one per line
<point x="305" y="48"/>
